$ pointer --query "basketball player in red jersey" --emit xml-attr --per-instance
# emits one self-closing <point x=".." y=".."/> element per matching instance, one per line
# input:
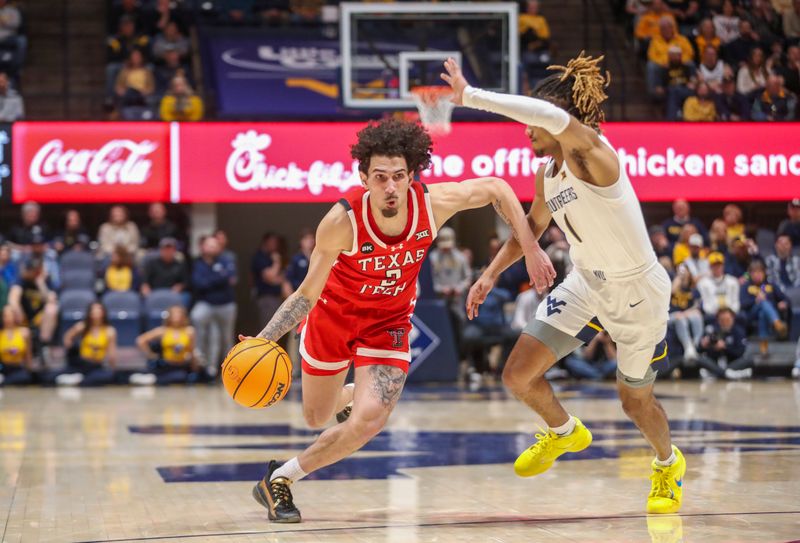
<point x="360" y="291"/>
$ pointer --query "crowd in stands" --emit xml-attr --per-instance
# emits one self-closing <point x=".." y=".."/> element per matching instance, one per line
<point x="128" y="285"/>
<point x="712" y="60"/>
<point x="13" y="49"/>
<point x="732" y="284"/>
<point x="149" y="73"/>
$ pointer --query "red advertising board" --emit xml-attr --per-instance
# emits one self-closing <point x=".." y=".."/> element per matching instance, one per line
<point x="714" y="161"/>
<point x="310" y="162"/>
<point x="90" y="162"/>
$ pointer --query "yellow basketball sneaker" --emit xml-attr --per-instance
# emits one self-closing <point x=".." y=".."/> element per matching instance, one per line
<point x="666" y="490"/>
<point x="541" y="455"/>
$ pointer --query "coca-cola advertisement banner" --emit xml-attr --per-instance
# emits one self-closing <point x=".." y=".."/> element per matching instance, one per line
<point x="91" y="162"/>
<point x="310" y="162"/>
<point x="305" y="162"/>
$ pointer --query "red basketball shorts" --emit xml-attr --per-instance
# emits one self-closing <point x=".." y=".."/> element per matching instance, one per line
<point x="332" y="339"/>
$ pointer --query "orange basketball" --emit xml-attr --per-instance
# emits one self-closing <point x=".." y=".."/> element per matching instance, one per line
<point x="257" y="373"/>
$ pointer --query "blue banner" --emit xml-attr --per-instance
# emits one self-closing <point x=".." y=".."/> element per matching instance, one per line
<point x="260" y="74"/>
<point x="269" y="73"/>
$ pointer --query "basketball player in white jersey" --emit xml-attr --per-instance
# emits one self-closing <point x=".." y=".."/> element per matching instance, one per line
<point x="616" y="284"/>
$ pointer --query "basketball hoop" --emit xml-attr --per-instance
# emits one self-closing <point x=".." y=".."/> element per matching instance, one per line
<point x="435" y="107"/>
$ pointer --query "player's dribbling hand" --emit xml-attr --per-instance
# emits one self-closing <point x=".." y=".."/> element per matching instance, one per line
<point x="540" y="269"/>
<point x="243" y="337"/>
<point x="456" y="80"/>
<point x="477" y="295"/>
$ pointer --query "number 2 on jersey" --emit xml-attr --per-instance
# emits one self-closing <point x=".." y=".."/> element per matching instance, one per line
<point x="391" y="278"/>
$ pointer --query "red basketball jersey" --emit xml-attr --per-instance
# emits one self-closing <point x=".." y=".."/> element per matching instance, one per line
<point x="377" y="277"/>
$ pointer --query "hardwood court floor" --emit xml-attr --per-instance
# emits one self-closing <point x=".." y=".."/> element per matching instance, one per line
<point x="177" y="464"/>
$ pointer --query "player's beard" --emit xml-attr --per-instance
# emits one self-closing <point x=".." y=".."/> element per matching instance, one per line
<point x="389" y="212"/>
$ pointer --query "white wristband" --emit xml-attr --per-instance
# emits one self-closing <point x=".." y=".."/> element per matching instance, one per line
<point x="523" y="109"/>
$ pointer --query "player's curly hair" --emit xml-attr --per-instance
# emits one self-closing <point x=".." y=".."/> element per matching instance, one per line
<point x="391" y="137"/>
<point x="579" y="89"/>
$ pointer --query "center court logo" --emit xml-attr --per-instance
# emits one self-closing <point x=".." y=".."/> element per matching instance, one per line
<point x="402" y="449"/>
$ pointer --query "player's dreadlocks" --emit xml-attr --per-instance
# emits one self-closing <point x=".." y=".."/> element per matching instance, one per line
<point x="391" y="138"/>
<point x="579" y="89"/>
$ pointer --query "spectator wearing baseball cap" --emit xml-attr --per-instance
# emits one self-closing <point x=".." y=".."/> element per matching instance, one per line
<point x="167" y="271"/>
<point x="719" y="289"/>
<point x="697" y="261"/>
<point x="791" y="225"/>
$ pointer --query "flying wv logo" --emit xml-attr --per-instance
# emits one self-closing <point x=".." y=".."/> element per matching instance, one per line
<point x="553" y="305"/>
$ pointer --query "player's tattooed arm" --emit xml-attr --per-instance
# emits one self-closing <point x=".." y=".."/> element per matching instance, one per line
<point x="288" y="316"/>
<point x="538" y="219"/>
<point x="498" y="207"/>
<point x="387" y="383"/>
<point x="334" y="235"/>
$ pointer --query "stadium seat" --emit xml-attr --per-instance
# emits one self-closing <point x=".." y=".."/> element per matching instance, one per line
<point x="156" y="305"/>
<point x="76" y="260"/>
<point x="125" y="315"/>
<point x="73" y="305"/>
<point x="81" y="279"/>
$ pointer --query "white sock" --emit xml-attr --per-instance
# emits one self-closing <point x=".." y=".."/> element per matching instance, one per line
<point x="290" y="470"/>
<point x="668" y="462"/>
<point x="566" y="428"/>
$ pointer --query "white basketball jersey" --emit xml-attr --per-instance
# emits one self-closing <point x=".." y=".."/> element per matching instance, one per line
<point x="604" y="225"/>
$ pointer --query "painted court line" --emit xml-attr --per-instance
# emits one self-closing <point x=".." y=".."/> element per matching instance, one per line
<point x="521" y="520"/>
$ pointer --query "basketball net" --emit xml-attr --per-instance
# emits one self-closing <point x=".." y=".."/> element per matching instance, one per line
<point x="435" y="107"/>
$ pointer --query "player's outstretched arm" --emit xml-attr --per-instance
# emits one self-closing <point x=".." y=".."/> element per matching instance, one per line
<point x="582" y="146"/>
<point x="538" y="219"/>
<point x="447" y="199"/>
<point x="334" y="235"/>
<point x="511" y="251"/>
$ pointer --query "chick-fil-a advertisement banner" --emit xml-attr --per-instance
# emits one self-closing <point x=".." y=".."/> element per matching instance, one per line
<point x="310" y="162"/>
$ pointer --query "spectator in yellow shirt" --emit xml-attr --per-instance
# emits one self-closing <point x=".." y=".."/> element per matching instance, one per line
<point x="532" y="21"/>
<point x="648" y="25"/>
<point x="707" y="35"/>
<point x="534" y="34"/>
<point x="120" y="274"/>
<point x="657" y="52"/>
<point x="681" y="250"/>
<point x="181" y="103"/>
<point x="700" y="108"/>
<point x="733" y="217"/>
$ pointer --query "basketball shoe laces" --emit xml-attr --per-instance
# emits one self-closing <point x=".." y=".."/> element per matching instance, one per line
<point x="280" y="490"/>
<point x="660" y="486"/>
<point x="545" y="442"/>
